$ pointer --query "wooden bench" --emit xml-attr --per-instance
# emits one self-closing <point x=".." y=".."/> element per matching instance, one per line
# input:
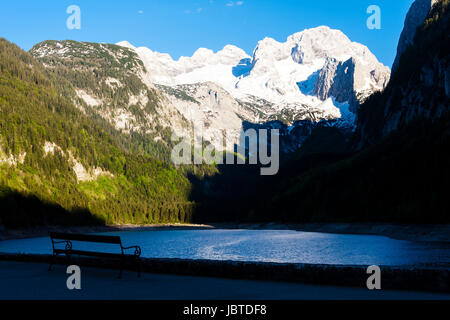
<point x="68" y="250"/>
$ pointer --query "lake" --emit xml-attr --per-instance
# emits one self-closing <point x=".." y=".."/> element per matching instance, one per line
<point x="282" y="246"/>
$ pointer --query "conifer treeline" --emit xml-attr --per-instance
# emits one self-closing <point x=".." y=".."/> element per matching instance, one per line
<point x="34" y="111"/>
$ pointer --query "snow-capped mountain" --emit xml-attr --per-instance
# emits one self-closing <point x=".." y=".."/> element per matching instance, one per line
<point x="318" y="69"/>
<point x="317" y="76"/>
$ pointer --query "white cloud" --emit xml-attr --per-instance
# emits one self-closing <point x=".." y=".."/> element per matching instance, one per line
<point x="189" y="11"/>
<point x="141" y="12"/>
<point x="232" y="4"/>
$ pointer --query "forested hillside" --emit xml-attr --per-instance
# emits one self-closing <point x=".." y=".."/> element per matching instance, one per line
<point x="110" y="84"/>
<point x="55" y="160"/>
<point x="85" y="139"/>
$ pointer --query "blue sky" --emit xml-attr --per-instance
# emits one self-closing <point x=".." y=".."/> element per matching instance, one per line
<point x="179" y="27"/>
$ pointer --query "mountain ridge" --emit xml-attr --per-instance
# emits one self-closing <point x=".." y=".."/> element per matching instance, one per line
<point x="158" y="94"/>
<point x="291" y="81"/>
<point x="413" y="94"/>
<point x="415" y="17"/>
<point x="261" y="74"/>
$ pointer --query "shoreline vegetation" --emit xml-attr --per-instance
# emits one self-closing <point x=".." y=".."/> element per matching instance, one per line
<point x="417" y="232"/>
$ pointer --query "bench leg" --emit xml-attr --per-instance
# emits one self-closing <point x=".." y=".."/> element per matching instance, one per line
<point x="51" y="263"/>
<point x="69" y="259"/>
<point x="121" y="268"/>
<point x="139" y="267"/>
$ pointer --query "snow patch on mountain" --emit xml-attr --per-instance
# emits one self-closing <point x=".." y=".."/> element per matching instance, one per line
<point x="288" y="75"/>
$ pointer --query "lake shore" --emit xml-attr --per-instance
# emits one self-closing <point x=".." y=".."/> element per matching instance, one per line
<point x="434" y="233"/>
<point x="12" y="234"/>
<point x="413" y="232"/>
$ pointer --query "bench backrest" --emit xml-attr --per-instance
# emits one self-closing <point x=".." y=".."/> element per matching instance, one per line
<point x="85" y="238"/>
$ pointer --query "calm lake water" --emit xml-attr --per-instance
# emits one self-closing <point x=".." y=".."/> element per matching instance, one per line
<point x="263" y="245"/>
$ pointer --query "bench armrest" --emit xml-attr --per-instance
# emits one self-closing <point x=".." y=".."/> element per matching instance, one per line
<point x="64" y="241"/>
<point x="137" y="250"/>
<point x="67" y="242"/>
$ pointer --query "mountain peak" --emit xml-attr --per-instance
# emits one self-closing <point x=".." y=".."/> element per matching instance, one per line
<point x="126" y="44"/>
<point x="415" y="18"/>
<point x="232" y="51"/>
<point x="202" y="53"/>
<point x="231" y="48"/>
<point x="318" y="33"/>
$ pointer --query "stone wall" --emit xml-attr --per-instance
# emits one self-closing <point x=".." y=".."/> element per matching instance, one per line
<point x="432" y="279"/>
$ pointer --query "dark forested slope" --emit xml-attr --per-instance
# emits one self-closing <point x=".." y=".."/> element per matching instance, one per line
<point x="55" y="160"/>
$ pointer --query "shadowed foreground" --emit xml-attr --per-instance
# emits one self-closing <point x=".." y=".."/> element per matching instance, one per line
<point x="25" y="281"/>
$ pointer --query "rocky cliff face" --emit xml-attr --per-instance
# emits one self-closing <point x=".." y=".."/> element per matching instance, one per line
<point x="282" y="75"/>
<point x="350" y="81"/>
<point x="211" y="109"/>
<point x="414" y="19"/>
<point x="419" y="89"/>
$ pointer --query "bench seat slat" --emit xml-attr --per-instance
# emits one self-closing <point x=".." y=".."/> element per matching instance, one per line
<point x="86" y="238"/>
<point x="91" y="253"/>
